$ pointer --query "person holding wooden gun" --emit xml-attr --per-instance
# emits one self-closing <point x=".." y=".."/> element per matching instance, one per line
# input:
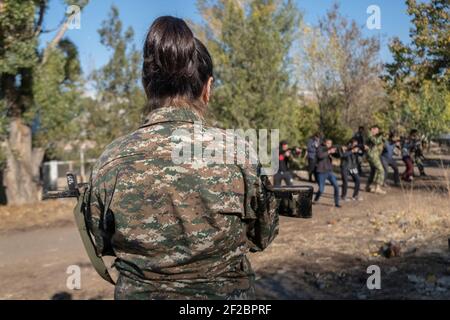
<point x="325" y="170"/>
<point x="349" y="166"/>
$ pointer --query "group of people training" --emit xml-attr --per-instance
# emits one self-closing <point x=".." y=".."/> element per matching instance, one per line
<point x="378" y="150"/>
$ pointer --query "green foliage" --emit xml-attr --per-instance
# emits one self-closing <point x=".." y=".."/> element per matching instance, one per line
<point x="251" y="42"/>
<point x="418" y="81"/>
<point x="56" y="90"/>
<point x="334" y="129"/>
<point x="120" y="100"/>
<point x="17" y="41"/>
<point x="72" y="67"/>
<point x="428" y="55"/>
<point x="427" y="110"/>
<point x="44" y="93"/>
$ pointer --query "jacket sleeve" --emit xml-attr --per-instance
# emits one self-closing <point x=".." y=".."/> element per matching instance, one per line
<point x="99" y="219"/>
<point x="310" y="147"/>
<point x="295" y="163"/>
<point x="261" y="215"/>
<point x="386" y="146"/>
<point x="322" y="153"/>
<point x="346" y="154"/>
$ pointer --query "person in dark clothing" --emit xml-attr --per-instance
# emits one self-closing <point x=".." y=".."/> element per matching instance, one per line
<point x="283" y="174"/>
<point x="360" y="137"/>
<point x="407" y="159"/>
<point x="417" y="151"/>
<point x="387" y="158"/>
<point x="311" y="148"/>
<point x="325" y="170"/>
<point x="349" y="166"/>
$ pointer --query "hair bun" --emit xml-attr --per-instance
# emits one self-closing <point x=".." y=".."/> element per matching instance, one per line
<point x="172" y="47"/>
<point x="173" y="60"/>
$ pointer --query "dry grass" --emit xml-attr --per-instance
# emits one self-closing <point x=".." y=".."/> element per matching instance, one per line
<point x="360" y="229"/>
<point x="38" y="215"/>
<point x="327" y="257"/>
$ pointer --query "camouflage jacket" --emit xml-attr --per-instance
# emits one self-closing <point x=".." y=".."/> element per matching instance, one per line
<point x="177" y="230"/>
<point x="376" y="145"/>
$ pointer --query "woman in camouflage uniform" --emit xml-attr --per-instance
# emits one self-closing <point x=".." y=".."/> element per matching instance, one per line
<point x="177" y="230"/>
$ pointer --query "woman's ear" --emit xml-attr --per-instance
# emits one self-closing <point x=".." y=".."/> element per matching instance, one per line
<point x="207" y="90"/>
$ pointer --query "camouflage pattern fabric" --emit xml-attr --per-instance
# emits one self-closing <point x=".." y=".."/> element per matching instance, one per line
<point x="417" y="153"/>
<point x="179" y="231"/>
<point x="374" y="157"/>
<point x="377" y="166"/>
<point x="376" y="145"/>
<point x="419" y="163"/>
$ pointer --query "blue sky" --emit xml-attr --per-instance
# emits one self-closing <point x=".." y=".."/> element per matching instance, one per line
<point x="140" y="13"/>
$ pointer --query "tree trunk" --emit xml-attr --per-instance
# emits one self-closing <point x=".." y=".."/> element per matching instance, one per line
<point x="21" y="176"/>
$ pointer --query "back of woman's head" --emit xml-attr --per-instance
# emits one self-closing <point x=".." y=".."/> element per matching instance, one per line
<point x="177" y="66"/>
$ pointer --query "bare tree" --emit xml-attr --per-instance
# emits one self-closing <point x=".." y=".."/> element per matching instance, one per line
<point x="341" y="68"/>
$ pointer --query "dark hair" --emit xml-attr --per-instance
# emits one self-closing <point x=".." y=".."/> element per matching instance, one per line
<point x="392" y="134"/>
<point x="375" y="126"/>
<point x="176" y="65"/>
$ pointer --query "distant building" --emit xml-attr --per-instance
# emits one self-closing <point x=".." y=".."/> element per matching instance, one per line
<point x="54" y="172"/>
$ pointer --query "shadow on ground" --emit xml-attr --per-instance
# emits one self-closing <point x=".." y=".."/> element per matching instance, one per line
<point x="411" y="276"/>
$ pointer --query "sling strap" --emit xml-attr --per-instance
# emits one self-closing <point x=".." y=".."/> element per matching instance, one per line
<point x="88" y="242"/>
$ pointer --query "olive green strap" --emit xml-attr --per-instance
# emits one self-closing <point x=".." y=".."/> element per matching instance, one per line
<point x="88" y="243"/>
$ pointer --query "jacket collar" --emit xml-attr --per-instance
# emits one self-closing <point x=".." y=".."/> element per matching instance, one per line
<point x="171" y="114"/>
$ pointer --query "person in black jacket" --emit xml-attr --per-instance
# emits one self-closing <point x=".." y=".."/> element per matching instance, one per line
<point x="311" y="148"/>
<point x="387" y="158"/>
<point x="417" y="151"/>
<point x="360" y="136"/>
<point x="349" y="166"/>
<point x="325" y="170"/>
<point x="284" y="172"/>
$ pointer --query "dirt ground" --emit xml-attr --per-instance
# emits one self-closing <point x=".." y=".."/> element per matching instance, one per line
<point x="325" y="257"/>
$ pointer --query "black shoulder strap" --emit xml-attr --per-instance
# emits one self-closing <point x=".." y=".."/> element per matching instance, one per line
<point x="89" y="245"/>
